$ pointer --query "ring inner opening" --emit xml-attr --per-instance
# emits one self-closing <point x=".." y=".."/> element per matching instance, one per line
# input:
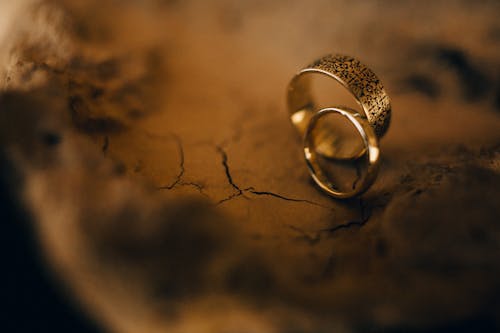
<point x="334" y="133"/>
<point x="315" y="91"/>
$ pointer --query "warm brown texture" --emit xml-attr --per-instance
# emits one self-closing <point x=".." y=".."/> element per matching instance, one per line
<point x="168" y="188"/>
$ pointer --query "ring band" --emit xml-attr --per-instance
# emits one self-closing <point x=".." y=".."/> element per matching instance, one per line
<point x="370" y="157"/>
<point x="371" y="121"/>
<point x="359" y="80"/>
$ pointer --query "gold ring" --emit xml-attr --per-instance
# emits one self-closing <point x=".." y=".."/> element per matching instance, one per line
<point x="369" y="114"/>
<point x="370" y="157"/>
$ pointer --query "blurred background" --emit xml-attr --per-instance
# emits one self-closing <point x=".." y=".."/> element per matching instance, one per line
<point x="151" y="180"/>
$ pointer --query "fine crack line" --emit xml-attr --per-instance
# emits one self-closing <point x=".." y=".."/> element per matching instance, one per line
<point x="345" y="226"/>
<point x="178" y="179"/>
<point x="279" y="196"/>
<point x="195" y="185"/>
<point x="241" y="192"/>
<point x="312" y="240"/>
<point x="223" y="153"/>
<point x="364" y="218"/>
<point x="232" y="196"/>
<point x="365" y="215"/>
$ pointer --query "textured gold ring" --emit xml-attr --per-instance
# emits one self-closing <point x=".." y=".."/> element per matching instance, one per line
<point x="370" y="117"/>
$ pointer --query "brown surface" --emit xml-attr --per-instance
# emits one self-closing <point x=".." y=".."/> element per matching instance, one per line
<point x="168" y="187"/>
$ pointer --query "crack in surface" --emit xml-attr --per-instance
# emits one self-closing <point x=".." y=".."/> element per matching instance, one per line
<point x="178" y="179"/>
<point x="364" y="218"/>
<point x="365" y="215"/>
<point x="197" y="186"/>
<point x="238" y="191"/>
<point x="241" y="192"/>
<point x="232" y="196"/>
<point x="225" y="164"/>
<point x="279" y="196"/>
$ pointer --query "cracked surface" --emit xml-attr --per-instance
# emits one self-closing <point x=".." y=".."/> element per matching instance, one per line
<point x="241" y="192"/>
<point x="178" y="178"/>
<point x="168" y="189"/>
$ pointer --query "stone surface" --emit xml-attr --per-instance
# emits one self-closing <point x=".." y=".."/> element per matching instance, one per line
<point x="167" y="187"/>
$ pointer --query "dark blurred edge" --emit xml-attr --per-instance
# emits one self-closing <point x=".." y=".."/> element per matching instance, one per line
<point x="32" y="301"/>
<point x="480" y="324"/>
